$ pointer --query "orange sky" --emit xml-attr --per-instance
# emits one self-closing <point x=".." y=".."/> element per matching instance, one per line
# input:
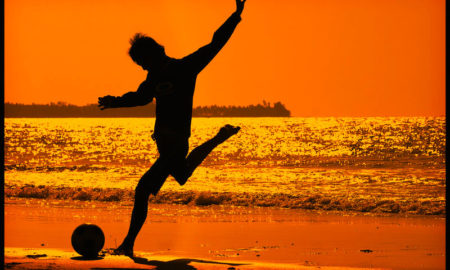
<point x="318" y="57"/>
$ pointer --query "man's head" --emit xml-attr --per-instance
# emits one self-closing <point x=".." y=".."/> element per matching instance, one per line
<point x="146" y="52"/>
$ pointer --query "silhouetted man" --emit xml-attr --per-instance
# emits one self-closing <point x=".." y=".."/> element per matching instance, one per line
<point x="172" y="82"/>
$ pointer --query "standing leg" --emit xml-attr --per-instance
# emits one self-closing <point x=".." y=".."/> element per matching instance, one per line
<point x="150" y="183"/>
<point x="196" y="157"/>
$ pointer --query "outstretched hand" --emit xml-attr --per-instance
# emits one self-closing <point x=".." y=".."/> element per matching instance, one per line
<point x="240" y="6"/>
<point x="106" y="102"/>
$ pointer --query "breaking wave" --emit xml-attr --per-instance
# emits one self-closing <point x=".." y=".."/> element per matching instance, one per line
<point x="280" y="200"/>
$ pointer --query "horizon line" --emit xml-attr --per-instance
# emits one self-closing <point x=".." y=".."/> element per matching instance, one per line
<point x="263" y="102"/>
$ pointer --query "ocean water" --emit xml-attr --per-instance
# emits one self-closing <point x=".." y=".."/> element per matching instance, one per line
<point x="370" y="165"/>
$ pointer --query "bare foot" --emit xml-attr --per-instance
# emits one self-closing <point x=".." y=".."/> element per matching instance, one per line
<point x="226" y="132"/>
<point x="122" y="250"/>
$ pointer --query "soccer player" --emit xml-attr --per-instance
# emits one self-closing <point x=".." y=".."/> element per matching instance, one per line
<point x="171" y="82"/>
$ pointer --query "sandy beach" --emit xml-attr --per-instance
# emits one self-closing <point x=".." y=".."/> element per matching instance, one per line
<point x="37" y="236"/>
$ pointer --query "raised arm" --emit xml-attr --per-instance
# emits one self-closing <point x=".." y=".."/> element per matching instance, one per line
<point x="141" y="97"/>
<point x="199" y="59"/>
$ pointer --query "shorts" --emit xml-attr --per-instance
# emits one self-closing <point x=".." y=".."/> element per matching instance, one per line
<point x="171" y="161"/>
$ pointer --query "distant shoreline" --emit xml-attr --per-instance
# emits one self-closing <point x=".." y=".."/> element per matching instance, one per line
<point x="64" y="110"/>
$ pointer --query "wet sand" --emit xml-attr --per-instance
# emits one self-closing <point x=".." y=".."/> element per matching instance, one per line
<point x="218" y="237"/>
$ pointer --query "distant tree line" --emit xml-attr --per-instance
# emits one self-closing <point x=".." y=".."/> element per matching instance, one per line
<point x="62" y="109"/>
<point x="264" y="110"/>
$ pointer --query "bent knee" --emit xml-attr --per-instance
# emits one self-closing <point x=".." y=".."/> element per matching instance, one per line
<point x="142" y="191"/>
<point x="181" y="179"/>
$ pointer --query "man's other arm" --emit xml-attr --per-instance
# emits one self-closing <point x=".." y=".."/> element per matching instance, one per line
<point x="199" y="59"/>
<point x="141" y="97"/>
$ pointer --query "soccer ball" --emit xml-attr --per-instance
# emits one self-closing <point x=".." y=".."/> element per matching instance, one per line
<point x="88" y="240"/>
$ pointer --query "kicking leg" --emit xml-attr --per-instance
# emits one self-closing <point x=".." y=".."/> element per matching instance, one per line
<point x="196" y="157"/>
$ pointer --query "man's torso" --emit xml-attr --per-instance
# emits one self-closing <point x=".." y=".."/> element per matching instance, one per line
<point x="174" y="91"/>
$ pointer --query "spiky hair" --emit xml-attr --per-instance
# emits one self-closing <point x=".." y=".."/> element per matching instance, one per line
<point x="144" y="45"/>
